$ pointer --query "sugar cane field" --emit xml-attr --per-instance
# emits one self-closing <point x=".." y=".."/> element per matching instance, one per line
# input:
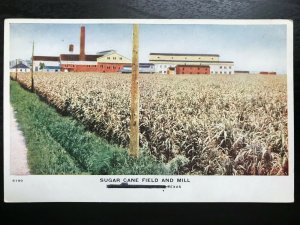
<point x="189" y="124"/>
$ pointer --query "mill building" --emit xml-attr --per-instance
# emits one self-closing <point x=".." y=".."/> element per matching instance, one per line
<point x="197" y="62"/>
<point x="109" y="61"/>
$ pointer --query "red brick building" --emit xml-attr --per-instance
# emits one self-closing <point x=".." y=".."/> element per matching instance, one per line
<point x="72" y="63"/>
<point x="192" y="69"/>
<point x="110" y="67"/>
<point x="267" y="73"/>
<point x="104" y="62"/>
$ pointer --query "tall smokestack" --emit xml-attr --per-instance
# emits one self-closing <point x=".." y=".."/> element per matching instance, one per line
<point x="82" y="43"/>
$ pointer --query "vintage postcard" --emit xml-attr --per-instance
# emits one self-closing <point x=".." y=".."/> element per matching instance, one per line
<point x="129" y="110"/>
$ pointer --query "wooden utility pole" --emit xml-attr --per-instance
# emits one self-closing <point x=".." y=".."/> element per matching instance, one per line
<point x="134" y="113"/>
<point x="16" y="70"/>
<point x="32" y="81"/>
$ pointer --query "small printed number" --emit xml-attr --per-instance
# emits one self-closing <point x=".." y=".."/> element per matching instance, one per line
<point x="17" y="180"/>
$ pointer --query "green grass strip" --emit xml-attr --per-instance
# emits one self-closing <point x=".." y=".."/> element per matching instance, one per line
<point x="60" y="145"/>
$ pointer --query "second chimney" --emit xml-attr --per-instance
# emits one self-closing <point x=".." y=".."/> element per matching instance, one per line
<point x="82" y="43"/>
<point x="71" y="48"/>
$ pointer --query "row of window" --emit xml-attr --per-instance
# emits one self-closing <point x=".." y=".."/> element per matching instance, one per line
<point x="195" y="68"/>
<point x="216" y="72"/>
<point x="115" y="58"/>
<point x="193" y="73"/>
<point x="108" y="67"/>
<point x="164" y="66"/>
<point x="212" y="58"/>
<point x="101" y="66"/>
<point x="70" y="65"/>
<point x="221" y="67"/>
<point x="162" y="72"/>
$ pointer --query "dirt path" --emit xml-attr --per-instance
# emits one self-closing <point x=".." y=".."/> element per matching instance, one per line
<point x="18" y="150"/>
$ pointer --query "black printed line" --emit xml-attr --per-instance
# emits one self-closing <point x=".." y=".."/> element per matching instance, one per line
<point x="126" y="185"/>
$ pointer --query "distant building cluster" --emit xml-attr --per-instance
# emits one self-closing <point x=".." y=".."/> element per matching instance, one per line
<point x="27" y="63"/>
<point x="105" y="62"/>
<point x="20" y="68"/>
<point x="20" y="65"/>
<point x="111" y="61"/>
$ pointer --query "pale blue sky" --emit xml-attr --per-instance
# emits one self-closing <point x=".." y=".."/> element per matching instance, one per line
<point x="251" y="47"/>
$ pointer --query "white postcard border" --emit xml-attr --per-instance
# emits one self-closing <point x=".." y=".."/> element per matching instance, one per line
<point x="88" y="188"/>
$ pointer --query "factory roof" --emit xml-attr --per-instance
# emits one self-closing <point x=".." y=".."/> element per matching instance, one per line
<point x="185" y="61"/>
<point x="106" y="52"/>
<point x="52" y="67"/>
<point x="192" y="66"/>
<point x="242" y="71"/>
<point x="75" y="57"/>
<point x="182" y="54"/>
<point x="46" y="58"/>
<point x="20" y="66"/>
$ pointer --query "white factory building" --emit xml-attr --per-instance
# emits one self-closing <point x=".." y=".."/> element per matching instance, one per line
<point x="221" y="67"/>
<point x="162" y="67"/>
<point x="163" y="61"/>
